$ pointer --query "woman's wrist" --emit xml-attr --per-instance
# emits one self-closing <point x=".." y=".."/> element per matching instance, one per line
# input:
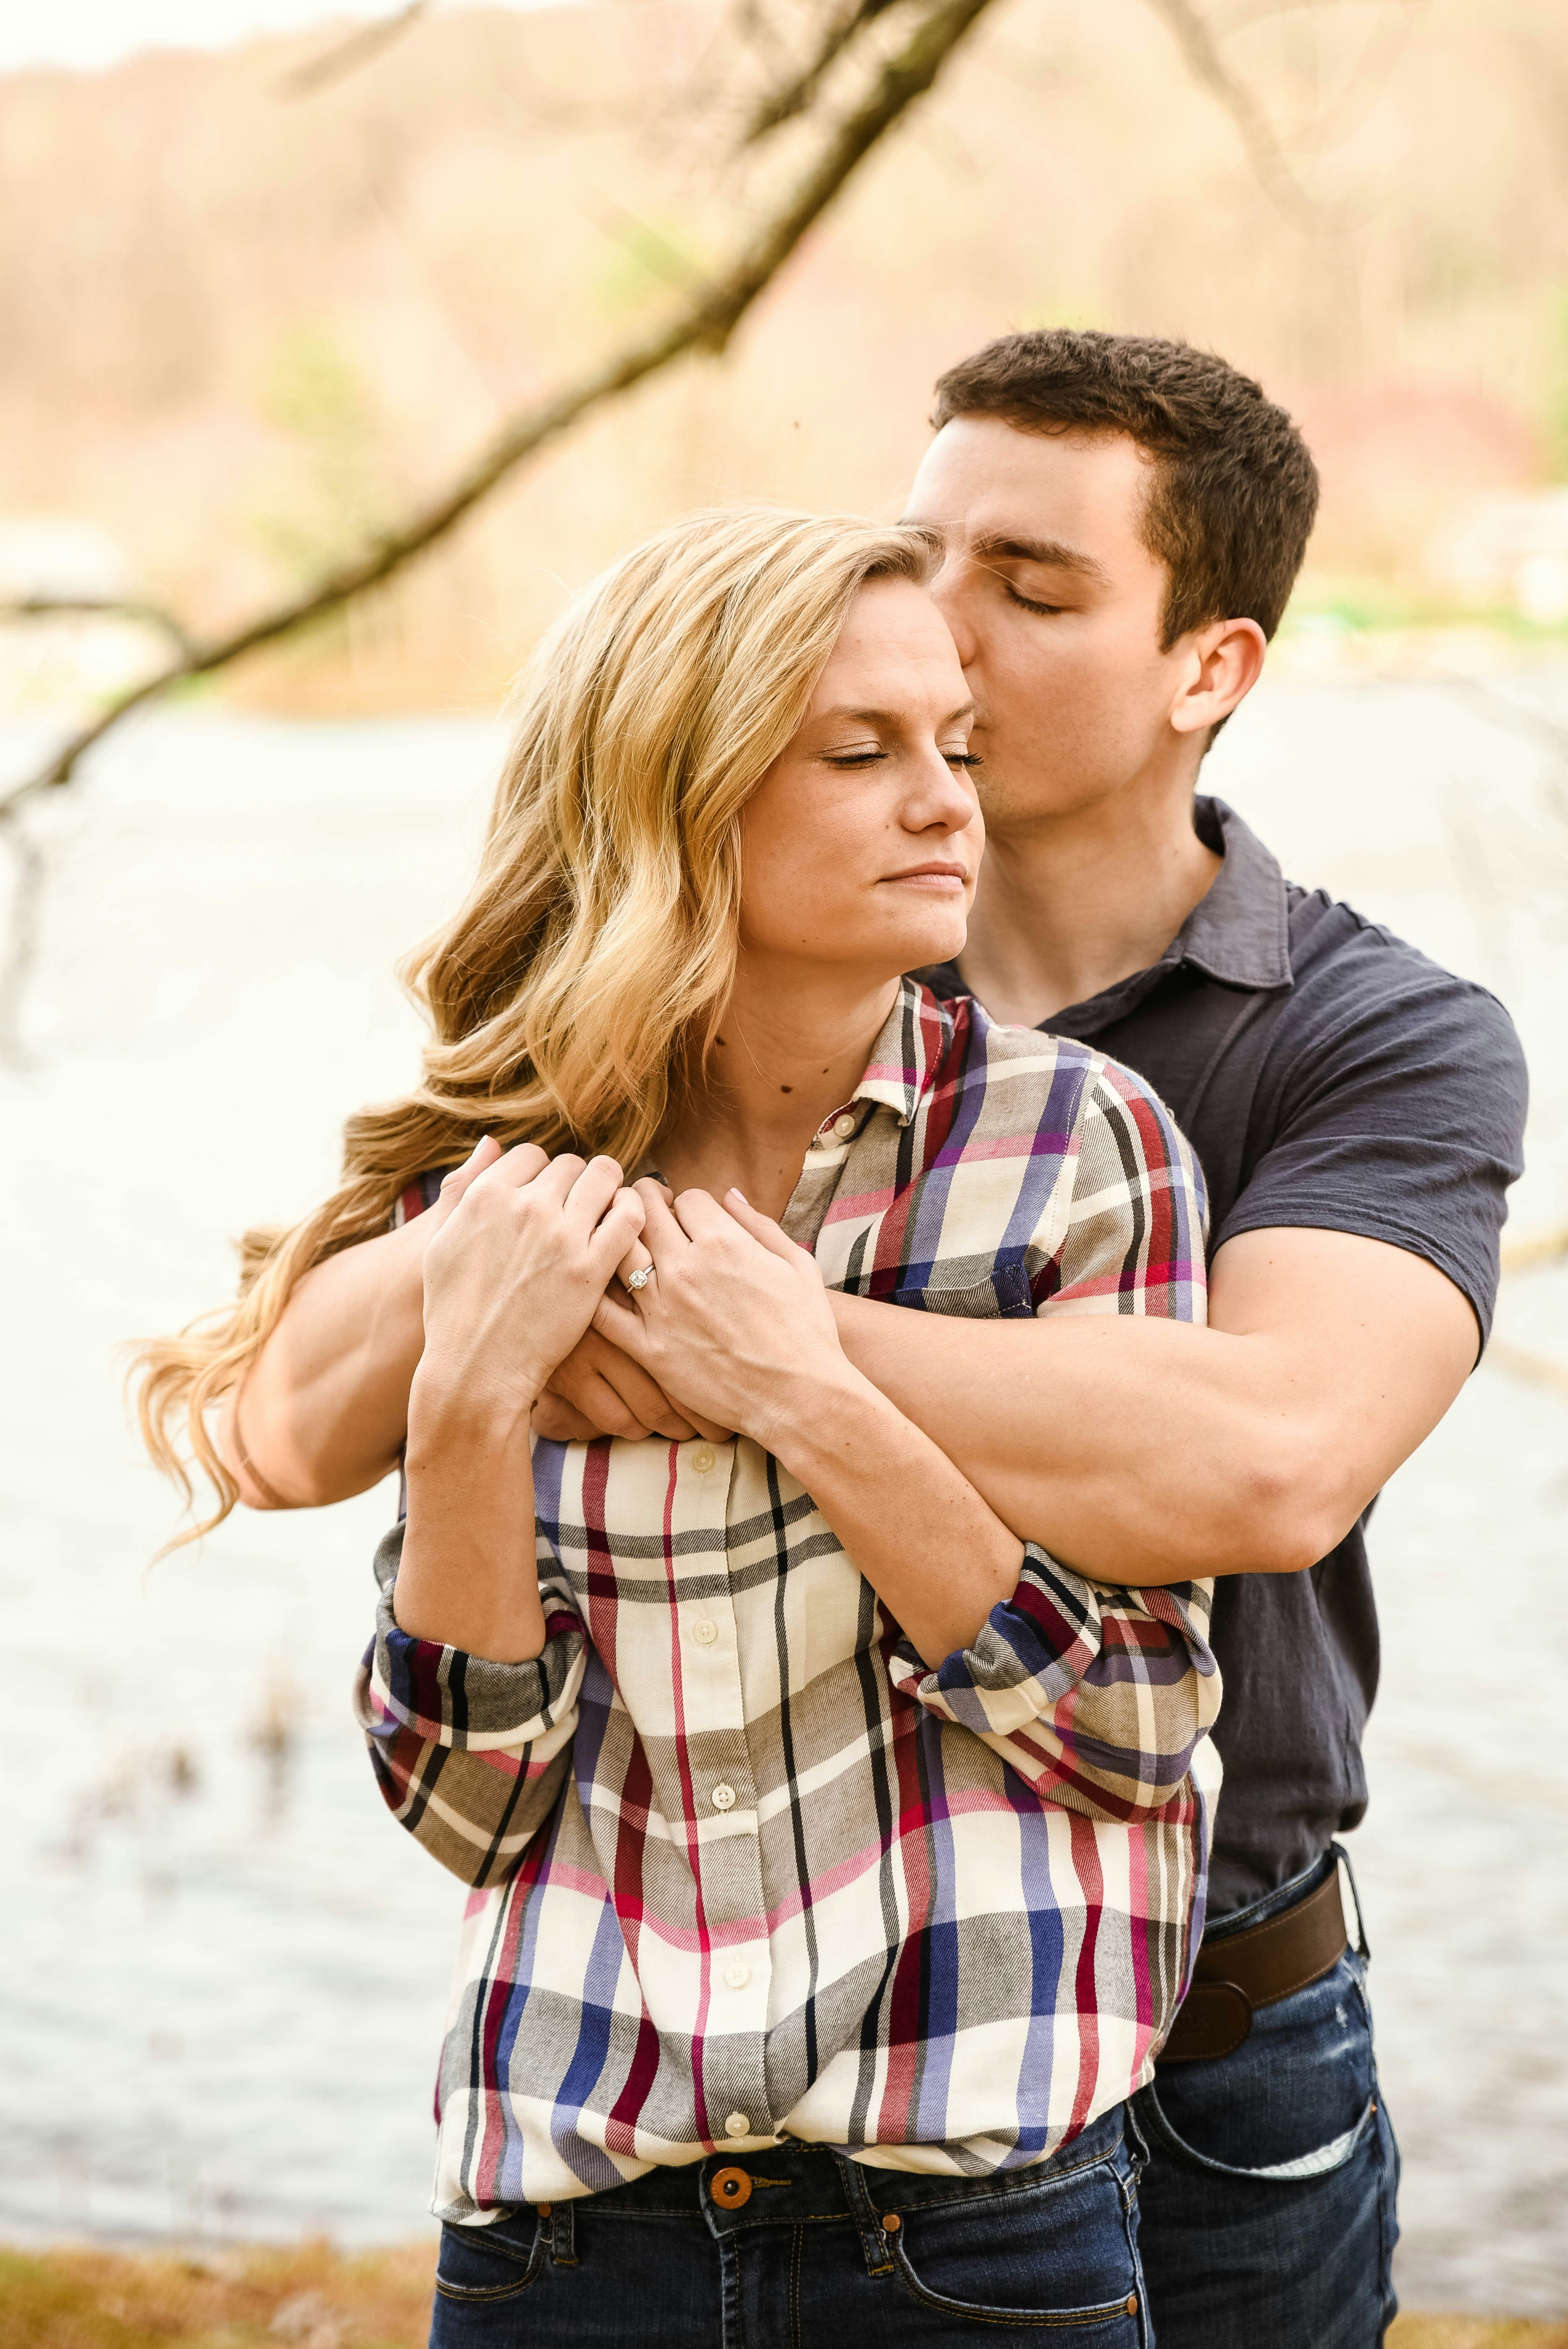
<point x="454" y="1408"/>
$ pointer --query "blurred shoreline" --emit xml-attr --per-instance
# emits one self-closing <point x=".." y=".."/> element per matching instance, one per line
<point x="314" y="2298"/>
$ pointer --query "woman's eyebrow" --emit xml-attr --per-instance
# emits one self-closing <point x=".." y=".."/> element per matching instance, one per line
<point x="842" y="710"/>
<point x="1053" y="552"/>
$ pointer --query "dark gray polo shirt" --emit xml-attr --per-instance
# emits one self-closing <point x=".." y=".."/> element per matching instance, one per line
<point x="1329" y="1076"/>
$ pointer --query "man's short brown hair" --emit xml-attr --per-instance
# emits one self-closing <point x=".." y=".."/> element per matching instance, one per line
<point x="1233" y="489"/>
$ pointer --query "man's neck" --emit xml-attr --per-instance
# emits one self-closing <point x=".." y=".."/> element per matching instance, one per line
<point x="1069" y="904"/>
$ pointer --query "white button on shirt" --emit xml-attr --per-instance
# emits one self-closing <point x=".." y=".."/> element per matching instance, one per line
<point x="706" y="1632"/>
<point x="738" y="1974"/>
<point x="844" y="1125"/>
<point x="704" y="1458"/>
<point x="736" y="2124"/>
<point x="723" y="1796"/>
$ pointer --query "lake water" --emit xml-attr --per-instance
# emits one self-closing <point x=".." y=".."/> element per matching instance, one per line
<point x="223" y="1968"/>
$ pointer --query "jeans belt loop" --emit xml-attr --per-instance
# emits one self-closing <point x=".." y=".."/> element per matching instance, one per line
<point x="867" y="2216"/>
<point x="561" y="2225"/>
<point x="1363" y="1947"/>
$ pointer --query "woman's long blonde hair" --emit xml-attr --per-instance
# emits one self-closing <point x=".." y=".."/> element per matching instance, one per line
<point x="585" y="976"/>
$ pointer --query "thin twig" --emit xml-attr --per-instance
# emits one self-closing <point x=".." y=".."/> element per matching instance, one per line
<point x="21" y="933"/>
<point x="796" y="94"/>
<point x="345" y="57"/>
<point x="103" y="607"/>
<point x="1206" y="63"/>
<point x="706" y="320"/>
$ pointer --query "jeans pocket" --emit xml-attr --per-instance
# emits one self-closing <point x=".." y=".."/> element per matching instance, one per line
<point x="478" y="2264"/>
<point x="1295" y="2100"/>
<point x="1059" y="2257"/>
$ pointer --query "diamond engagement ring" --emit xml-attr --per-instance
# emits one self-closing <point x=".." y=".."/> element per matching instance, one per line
<point x="640" y="1279"/>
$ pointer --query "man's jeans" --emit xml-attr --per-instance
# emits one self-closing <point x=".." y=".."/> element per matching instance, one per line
<point x="1030" y="2255"/>
<point x="1267" y="2207"/>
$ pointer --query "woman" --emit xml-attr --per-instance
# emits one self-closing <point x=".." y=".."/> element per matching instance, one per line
<point x="837" y="1856"/>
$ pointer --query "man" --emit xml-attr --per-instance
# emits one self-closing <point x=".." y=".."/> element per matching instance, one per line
<point x="1123" y="522"/>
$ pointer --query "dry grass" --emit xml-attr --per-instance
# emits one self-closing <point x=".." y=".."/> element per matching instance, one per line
<point x="1477" y="2333"/>
<point x="307" y="2298"/>
<point x="316" y="2298"/>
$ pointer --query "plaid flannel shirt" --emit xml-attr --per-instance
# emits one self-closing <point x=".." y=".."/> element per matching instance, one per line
<point x="745" y="1868"/>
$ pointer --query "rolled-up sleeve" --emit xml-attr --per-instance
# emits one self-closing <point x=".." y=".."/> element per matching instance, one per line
<point x="469" y="1754"/>
<point x="1099" y="1697"/>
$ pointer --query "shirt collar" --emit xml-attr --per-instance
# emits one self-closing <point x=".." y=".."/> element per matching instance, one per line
<point x="906" y="1055"/>
<point x="1238" y="933"/>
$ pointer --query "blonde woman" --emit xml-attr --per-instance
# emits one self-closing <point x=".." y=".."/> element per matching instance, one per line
<point x="837" y="1855"/>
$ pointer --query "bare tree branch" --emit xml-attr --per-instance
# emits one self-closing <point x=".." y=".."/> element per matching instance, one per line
<point x="105" y="607"/>
<point x="706" y="320"/>
<point x="796" y="94"/>
<point x="1206" y="63"/>
<point x="345" y="57"/>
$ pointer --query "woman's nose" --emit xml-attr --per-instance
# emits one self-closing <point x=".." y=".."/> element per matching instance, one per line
<point x="946" y="798"/>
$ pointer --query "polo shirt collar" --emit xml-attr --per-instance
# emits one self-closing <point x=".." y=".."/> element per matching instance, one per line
<point x="1239" y="933"/>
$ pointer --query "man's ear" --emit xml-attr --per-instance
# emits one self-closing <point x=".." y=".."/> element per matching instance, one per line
<point x="1223" y="663"/>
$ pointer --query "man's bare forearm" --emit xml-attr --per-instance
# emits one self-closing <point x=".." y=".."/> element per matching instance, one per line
<point x="1142" y="1451"/>
<point x="1040" y="1416"/>
<point x="325" y="1411"/>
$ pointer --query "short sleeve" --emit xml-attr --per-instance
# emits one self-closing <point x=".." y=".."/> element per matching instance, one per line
<point x="1396" y="1113"/>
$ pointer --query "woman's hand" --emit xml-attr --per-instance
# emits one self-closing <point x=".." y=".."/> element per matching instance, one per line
<point x="512" y="1279"/>
<point x="734" y="1317"/>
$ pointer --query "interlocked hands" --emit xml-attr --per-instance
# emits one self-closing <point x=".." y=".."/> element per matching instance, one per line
<point x="520" y="1277"/>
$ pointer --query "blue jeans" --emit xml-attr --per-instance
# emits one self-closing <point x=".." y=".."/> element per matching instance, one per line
<point x="1049" y="2252"/>
<point x="1267" y="2207"/>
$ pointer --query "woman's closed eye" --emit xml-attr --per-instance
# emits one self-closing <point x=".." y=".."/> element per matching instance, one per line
<point x="871" y="753"/>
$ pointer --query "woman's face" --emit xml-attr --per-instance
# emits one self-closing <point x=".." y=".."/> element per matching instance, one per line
<point x="862" y="844"/>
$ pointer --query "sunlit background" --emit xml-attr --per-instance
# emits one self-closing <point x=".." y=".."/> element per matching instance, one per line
<point x="268" y="281"/>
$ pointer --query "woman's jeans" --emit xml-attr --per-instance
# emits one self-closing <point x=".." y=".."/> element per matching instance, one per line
<point x="823" y="2254"/>
<point x="1268" y="2204"/>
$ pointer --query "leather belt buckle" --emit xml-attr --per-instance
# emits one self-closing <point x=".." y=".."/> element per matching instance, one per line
<point x="1215" y="2018"/>
<point x="1240" y="1972"/>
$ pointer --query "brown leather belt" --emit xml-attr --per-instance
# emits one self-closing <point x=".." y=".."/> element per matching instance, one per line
<point x="1236" y="1975"/>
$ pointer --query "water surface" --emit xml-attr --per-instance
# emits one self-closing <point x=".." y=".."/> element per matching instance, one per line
<point x="223" y="1968"/>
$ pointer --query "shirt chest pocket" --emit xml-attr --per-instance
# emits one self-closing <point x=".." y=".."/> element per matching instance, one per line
<point x="1001" y="1296"/>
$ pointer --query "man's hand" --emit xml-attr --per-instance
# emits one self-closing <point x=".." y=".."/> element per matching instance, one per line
<point x="600" y="1390"/>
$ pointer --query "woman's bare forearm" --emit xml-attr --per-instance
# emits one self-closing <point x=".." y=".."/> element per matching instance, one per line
<point x="468" y="1576"/>
<point x="325" y="1409"/>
